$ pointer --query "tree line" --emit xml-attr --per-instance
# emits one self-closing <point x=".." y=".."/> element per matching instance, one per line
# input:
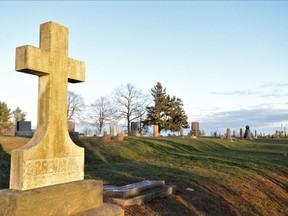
<point x="126" y="103"/>
<point x="130" y="104"/>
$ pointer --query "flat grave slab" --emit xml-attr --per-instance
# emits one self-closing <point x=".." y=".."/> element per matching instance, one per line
<point x="132" y="189"/>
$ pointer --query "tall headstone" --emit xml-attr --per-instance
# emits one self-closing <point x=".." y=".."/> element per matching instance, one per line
<point x="228" y="134"/>
<point x="135" y="129"/>
<point x="181" y="132"/>
<point x="46" y="173"/>
<point x="255" y="136"/>
<point x="241" y="133"/>
<point x="112" y="131"/>
<point x="195" y="128"/>
<point x="155" y="131"/>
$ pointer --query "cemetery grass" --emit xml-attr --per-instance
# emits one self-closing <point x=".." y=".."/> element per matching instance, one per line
<point x="228" y="178"/>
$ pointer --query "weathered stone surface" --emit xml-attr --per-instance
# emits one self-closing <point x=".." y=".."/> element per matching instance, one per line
<point x="106" y="209"/>
<point x="50" y="157"/>
<point x="63" y="199"/>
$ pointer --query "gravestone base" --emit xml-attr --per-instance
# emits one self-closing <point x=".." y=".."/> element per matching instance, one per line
<point x="73" y="198"/>
<point x="24" y="133"/>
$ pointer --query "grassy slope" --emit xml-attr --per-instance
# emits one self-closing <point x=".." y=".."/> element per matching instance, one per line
<point x="239" y="178"/>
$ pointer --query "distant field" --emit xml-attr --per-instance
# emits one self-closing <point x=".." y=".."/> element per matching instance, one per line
<point x="238" y="178"/>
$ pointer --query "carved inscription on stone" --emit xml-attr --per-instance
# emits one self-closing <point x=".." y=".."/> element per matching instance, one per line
<point x="36" y="168"/>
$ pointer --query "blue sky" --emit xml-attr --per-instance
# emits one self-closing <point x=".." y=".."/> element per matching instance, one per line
<point x="227" y="60"/>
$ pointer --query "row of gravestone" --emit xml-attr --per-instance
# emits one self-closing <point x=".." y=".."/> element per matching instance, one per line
<point x="247" y="135"/>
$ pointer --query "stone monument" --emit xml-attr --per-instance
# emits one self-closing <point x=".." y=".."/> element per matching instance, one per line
<point x="241" y="133"/>
<point x="46" y="175"/>
<point x="248" y="135"/>
<point x="23" y="128"/>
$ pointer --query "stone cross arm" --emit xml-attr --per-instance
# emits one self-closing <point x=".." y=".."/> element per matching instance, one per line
<point x="32" y="60"/>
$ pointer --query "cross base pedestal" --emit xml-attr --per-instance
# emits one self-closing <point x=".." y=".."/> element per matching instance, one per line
<point x="82" y="198"/>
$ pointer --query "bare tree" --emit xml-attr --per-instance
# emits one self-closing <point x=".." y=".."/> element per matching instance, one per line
<point x="100" y="113"/>
<point x="130" y="103"/>
<point x="76" y="107"/>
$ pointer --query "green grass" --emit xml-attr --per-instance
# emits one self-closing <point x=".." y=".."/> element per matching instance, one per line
<point x="238" y="178"/>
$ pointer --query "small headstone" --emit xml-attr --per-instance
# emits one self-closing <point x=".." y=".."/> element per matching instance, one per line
<point x="120" y="136"/>
<point x="106" y="137"/>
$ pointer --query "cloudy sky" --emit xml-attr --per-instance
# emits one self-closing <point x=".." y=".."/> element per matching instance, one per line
<point x="227" y="60"/>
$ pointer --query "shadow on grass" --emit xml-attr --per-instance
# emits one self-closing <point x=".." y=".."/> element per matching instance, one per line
<point x="203" y="201"/>
<point x="4" y="168"/>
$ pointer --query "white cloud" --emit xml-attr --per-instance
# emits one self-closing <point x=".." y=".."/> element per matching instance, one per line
<point x="262" y="118"/>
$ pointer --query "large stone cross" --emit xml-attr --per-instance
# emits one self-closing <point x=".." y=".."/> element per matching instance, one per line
<point x="50" y="157"/>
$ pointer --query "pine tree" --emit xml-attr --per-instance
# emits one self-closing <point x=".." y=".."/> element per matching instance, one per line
<point x="167" y="112"/>
<point x="177" y="119"/>
<point x="5" y="115"/>
<point x="156" y="114"/>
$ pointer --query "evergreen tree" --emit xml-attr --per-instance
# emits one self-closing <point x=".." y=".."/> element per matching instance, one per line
<point x="156" y="114"/>
<point x="167" y="113"/>
<point x="5" y="115"/>
<point x="177" y="119"/>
